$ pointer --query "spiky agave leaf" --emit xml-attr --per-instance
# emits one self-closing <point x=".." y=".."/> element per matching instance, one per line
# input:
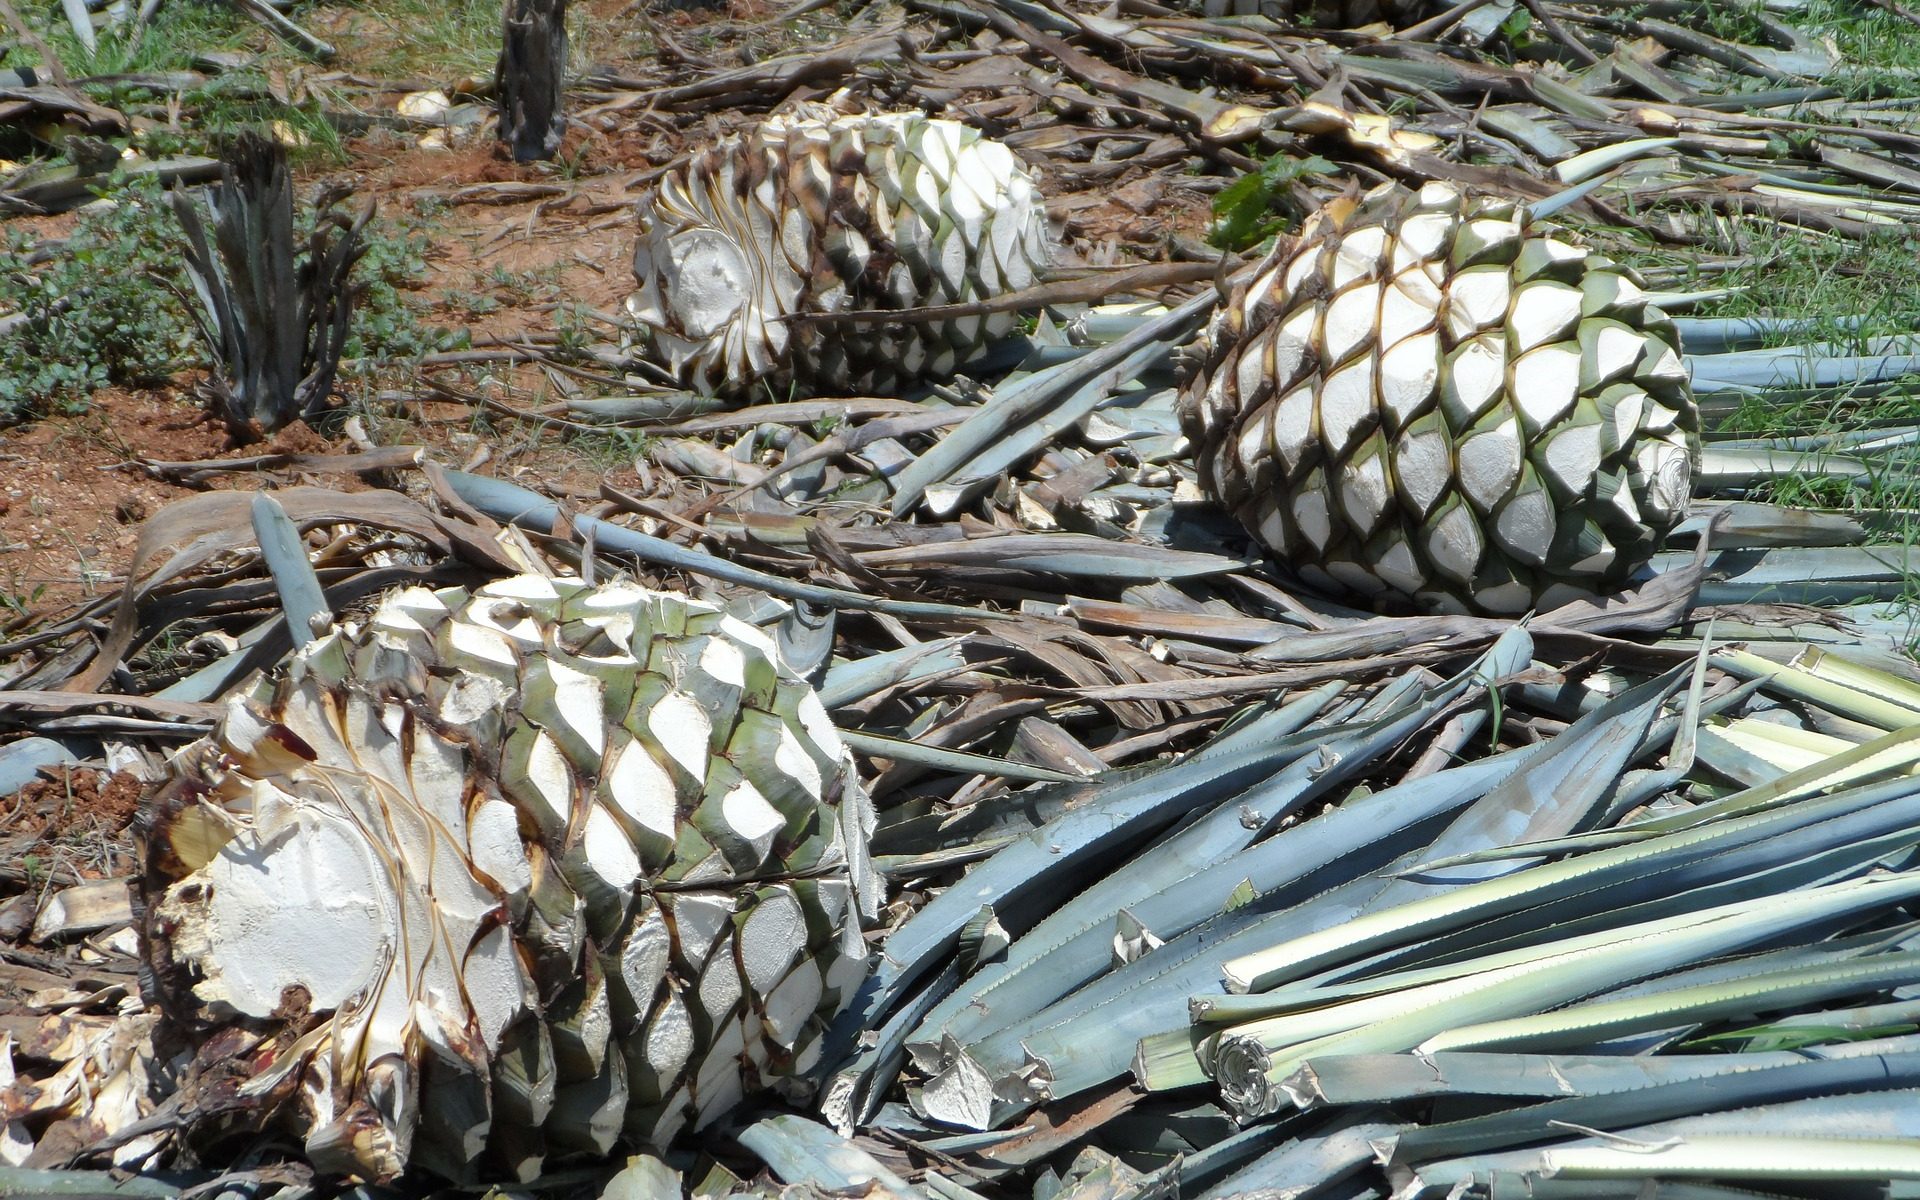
<point x="517" y="872"/>
<point x="816" y="212"/>
<point x="1426" y="395"/>
<point x="1323" y="14"/>
<point x="275" y="320"/>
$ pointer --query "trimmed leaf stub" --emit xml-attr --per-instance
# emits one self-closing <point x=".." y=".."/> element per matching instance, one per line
<point x="494" y="877"/>
<point x="1428" y="398"/>
<point x="816" y="212"/>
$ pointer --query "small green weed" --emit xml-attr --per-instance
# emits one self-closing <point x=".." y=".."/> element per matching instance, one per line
<point x="98" y="310"/>
<point x="387" y="329"/>
<point x="104" y="308"/>
<point x="612" y="448"/>
<point x="1257" y="205"/>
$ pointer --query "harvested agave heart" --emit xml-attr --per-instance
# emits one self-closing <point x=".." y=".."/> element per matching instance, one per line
<point x="497" y="876"/>
<point x="1426" y="397"/>
<point x="817" y="212"/>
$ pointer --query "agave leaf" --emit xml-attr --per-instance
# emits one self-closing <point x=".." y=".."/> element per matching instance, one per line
<point x="1018" y="877"/>
<point x="1824" y="664"/>
<point x="856" y="679"/>
<point x="286" y="557"/>
<point x="1836" y="697"/>
<point x="1832" y="1137"/>
<point x="1253" y="1061"/>
<point x="1477" y="902"/>
<point x="1012" y="408"/>
<point x="516" y="505"/>
<point x="1312" y="1161"/>
<point x="1074" y="554"/>
<point x="1164" y="891"/>
<point x="1203" y="778"/>
<point x="1605" y="158"/>
<point x="1596" y="1021"/>
<point x="806" y="1152"/>
<point x="904" y="750"/>
<point x="1024" y="1015"/>
<point x="21" y="762"/>
<point x="1390" y="1078"/>
<point x="1082" y="1039"/>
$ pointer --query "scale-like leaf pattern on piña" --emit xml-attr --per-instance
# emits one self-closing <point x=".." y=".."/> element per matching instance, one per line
<point x="1425" y="396"/>
<point x="818" y="212"/>
<point x="511" y="874"/>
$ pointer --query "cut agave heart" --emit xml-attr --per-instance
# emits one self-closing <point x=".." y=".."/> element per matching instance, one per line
<point x="496" y="876"/>
<point x="817" y="212"/>
<point x="1426" y="396"/>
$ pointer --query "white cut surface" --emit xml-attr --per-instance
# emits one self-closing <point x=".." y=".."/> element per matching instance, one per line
<point x="719" y="990"/>
<point x="748" y="814"/>
<point x="480" y="648"/>
<point x="1365" y="492"/>
<point x="643" y="959"/>
<point x="551" y="780"/>
<point x="772" y="937"/>
<point x="791" y="759"/>
<point x="470" y="697"/>
<point x="1423" y="467"/>
<point x="609" y="853"/>
<point x="1410" y="371"/>
<point x="1455" y="544"/>
<point x="1542" y="312"/>
<point x="1476" y="299"/>
<point x="819" y="727"/>
<point x="792" y="1002"/>
<point x="1610" y="351"/>
<point x="1489" y="464"/>
<point x="1476" y="376"/>
<point x="699" y="918"/>
<point x="1346" y="404"/>
<point x="493" y="840"/>
<point x="1399" y="567"/>
<point x="308" y="907"/>
<point x="1525" y="526"/>
<point x="669" y="1039"/>
<point x="683" y="730"/>
<point x="1293" y="427"/>
<point x="1358" y="255"/>
<point x="577" y="701"/>
<point x="1292" y="344"/>
<point x="1313" y="518"/>
<point x="722" y="659"/>
<point x="1352" y="317"/>
<point x="1546" y="383"/>
<point x="495" y="986"/>
<point x="642" y="789"/>
<point x="1421" y="238"/>
<point x="1408" y="306"/>
<point x="709" y="279"/>
<point x="1572" y="456"/>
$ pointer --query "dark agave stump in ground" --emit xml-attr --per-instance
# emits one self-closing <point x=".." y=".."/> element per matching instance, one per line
<point x="531" y="78"/>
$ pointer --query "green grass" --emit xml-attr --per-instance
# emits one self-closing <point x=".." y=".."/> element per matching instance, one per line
<point x="441" y="40"/>
<point x="180" y="32"/>
<point x="1879" y="50"/>
<point x="177" y="33"/>
<point x="101" y="310"/>
<point x="105" y="307"/>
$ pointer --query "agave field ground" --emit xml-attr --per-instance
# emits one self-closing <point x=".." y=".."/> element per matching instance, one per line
<point x="554" y="769"/>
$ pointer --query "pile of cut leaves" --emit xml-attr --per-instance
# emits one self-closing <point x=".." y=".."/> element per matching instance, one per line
<point x="1196" y="884"/>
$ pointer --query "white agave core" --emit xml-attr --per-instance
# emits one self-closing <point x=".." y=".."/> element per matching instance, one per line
<point x="813" y="211"/>
<point x="374" y="877"/>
